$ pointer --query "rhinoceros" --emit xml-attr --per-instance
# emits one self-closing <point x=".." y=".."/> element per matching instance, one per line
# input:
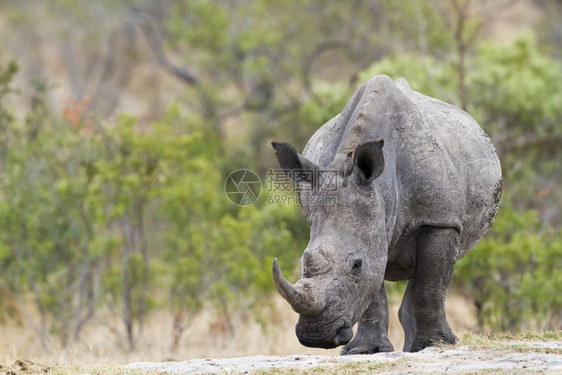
<point x="418" y="185"/>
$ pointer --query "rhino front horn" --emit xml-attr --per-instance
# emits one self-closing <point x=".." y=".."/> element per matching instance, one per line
<point x="303" y="296"/>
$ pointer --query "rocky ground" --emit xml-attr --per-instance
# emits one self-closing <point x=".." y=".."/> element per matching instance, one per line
<point x="511" y="356"/>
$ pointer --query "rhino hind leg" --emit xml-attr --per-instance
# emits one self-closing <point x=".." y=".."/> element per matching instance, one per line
<point x="437" y="250"/>
<point x="371" y="336"/>
<point x="406" y="316"/>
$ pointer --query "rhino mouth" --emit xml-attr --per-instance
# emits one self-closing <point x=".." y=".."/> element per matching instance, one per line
<point x="329" y="336"/>
<point x="317" y="326"/>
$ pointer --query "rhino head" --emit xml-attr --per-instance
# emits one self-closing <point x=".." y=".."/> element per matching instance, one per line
<point x="343" y="265"/>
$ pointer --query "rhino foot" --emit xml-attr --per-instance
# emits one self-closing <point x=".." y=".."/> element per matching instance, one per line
<point x="372" y="329"/>
<point x="444" y="338"/>
<point x="359" y="347"/>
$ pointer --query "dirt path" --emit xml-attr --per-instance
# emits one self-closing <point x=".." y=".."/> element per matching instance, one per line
<point x="504" y="357"/>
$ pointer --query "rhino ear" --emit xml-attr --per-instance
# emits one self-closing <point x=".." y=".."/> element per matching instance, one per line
<point x="293" y="163"/>
<point x="368" y="160"/>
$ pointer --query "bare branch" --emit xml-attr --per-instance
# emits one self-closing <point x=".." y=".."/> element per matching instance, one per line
<point x="154" y="39"/>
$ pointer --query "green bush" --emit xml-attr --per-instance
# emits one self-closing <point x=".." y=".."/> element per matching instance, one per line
<point x="513" y="275"/>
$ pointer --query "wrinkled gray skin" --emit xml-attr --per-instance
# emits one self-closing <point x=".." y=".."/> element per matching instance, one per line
<point x="420" y="189"/>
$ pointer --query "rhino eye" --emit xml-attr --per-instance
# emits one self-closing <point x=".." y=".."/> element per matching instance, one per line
<point x="357" y="264"/>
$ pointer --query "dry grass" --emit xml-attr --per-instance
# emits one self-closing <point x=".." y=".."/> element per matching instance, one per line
<point x="345" y="369"/>
<point x="101" y="351"/>
<point x="24" y="367"/>
<point x="199" y="340"/>
<point x="396" y="367"/>
<point x="101" y="355"/>
<point x="502" y="341"/>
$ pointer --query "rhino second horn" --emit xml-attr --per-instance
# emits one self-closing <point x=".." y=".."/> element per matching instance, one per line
<point x="302" y="296"/>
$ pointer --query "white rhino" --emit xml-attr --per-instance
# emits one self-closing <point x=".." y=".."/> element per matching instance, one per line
<point x="419" y="184"/>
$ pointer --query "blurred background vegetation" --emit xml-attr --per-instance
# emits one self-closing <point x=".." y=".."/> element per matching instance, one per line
<point x="120" y="120"/>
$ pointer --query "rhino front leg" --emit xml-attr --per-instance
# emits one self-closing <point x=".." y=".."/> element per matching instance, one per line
<point x="436" y="256"/>
<point x="371" y="336"/>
